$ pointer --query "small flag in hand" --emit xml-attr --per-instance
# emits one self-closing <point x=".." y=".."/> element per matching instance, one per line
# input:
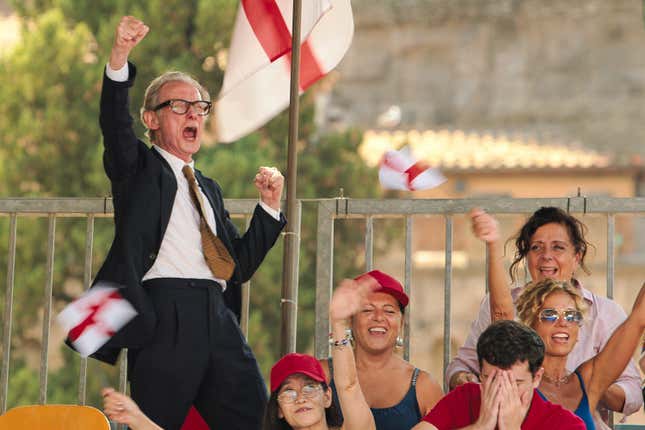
<point x="92" y="319"/>
<point x="400" y="171"/>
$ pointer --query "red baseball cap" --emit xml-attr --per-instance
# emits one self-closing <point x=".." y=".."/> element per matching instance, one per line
<point x="388" y="285"/>
<point x="296" y="363"/>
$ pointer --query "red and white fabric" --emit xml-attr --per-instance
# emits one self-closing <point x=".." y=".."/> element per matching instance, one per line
<point x="399" y="170"/>
<point x="92" y="319"/>
<point x="256" y="82"/>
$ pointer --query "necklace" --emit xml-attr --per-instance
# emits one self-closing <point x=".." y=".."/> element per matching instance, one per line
<point x="557" y="381"/>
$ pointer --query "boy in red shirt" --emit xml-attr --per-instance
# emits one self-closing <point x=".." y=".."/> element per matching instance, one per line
<point x="510" y="357"/>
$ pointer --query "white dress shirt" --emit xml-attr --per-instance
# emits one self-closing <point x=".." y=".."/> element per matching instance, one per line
<point x="180" y="254"/>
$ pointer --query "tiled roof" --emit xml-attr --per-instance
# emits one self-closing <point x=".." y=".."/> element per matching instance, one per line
<point x="459" y="150"/>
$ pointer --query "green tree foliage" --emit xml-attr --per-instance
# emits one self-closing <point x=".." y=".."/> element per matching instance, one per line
<point x="49" y="130"/>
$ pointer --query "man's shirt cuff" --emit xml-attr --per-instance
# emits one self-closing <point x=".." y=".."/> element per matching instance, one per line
<point x="120" y="75"/>
<point x="268" y="209"/>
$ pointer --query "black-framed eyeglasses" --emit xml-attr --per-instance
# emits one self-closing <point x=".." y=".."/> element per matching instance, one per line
<point x="309" y="391"/>
<point x="551" y="315"/>
<point x="181" y="106"/>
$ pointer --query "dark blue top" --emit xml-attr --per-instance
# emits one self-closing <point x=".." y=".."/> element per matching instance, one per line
<point x="582" y="410"/>
<point x="402" y="416"/>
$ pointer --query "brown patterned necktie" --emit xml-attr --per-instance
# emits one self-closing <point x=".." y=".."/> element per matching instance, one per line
<point x="215" y="253"/>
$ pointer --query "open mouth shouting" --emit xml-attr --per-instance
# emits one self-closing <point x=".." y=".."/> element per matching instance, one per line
<point x="190" y="133"/>
<point x="548" y="271"/>
<point x="560" y="338"/>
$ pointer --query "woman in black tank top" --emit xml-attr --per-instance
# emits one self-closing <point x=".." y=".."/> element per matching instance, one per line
<point x="398" y="393"/>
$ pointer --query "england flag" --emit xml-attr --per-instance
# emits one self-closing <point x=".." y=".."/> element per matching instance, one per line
<point x="257" y="77"/>
<point x="399" y="170"/>
<point x="92" y="319"/>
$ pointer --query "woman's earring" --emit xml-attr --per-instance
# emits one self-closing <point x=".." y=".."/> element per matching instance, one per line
<point x="399" y="342"/>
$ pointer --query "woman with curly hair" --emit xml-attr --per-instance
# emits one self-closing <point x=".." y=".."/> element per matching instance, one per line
<point x="556" y="311"/>
<point x="551" y="244"/>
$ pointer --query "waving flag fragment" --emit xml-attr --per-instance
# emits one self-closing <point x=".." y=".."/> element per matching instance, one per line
<point x="256" y="82"/>
<point x="92" y="319"/>
<point x="400" y="171"/>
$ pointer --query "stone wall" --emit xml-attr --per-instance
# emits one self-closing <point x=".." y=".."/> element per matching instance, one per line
<point x="572" y="71"/>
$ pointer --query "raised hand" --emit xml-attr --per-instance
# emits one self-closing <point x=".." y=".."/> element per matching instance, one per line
<point x="129" y="33"/>
<point x="350" y="296"/>
<point x="269" y="182"/>
<point x="513" y="406"/>
<point x="485" y="227"/>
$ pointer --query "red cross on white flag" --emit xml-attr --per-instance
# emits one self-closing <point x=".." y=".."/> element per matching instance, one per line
<point x="92" y="319"/>
<point x="256" y="83"/>
<point x="399" y="170"/>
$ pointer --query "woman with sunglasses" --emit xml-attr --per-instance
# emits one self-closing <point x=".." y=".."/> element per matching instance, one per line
<point x="555" y="310"/>
<point x="300" y="394"/>
<point x="550" y="245"/>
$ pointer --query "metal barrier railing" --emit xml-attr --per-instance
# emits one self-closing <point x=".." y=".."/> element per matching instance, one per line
<point x="88" y="209"/>
<point x="328" y="211"/>
<point x="343" y="208"/>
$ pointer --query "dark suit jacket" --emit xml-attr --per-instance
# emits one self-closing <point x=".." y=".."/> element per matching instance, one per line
<point x="143" y="190"/>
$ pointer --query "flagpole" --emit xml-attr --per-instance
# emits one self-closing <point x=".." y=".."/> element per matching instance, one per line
<point x="289" y="302"/>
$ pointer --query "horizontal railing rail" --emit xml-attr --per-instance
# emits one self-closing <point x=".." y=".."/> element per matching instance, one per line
<point x="329" y="211"/>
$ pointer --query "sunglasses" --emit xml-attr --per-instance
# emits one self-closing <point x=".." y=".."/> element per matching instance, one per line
<point x="551" y="315"/>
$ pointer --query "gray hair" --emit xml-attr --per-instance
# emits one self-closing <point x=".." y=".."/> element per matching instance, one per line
<point x="151" y="96"/>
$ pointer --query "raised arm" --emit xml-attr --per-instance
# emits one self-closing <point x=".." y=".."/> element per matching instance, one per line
<point x="121" y="144"/>
<point x="485" y="227"/>
<point x="602" y="370"/>
<point x="347" y="300"/>
<point x="129" y="33"/>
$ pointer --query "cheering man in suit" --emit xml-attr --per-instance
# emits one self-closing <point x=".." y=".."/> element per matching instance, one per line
<point x="178" y="254"/>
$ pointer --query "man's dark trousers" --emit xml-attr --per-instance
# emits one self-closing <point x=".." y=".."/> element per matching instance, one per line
<point x="198" y="356"/>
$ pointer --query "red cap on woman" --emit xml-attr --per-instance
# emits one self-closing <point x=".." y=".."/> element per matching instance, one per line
<point x="388" y="285"/>
<point x="295" y="363"/>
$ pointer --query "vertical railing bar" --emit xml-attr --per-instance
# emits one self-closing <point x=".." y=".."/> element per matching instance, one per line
<point x="123" y="378"/>
<point x="447" y="298"/>
<point x="8" y="311"/>
<point x="369" y="243"/>
<point x="324" y="278"/>
<point x="246" y="299"/>
<point x="123" y="371"/>
<point x="407" y="285"/>
<point x="49" y="284"/>
<point x="87" y="278"/>
<point x="611" y="233"/>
